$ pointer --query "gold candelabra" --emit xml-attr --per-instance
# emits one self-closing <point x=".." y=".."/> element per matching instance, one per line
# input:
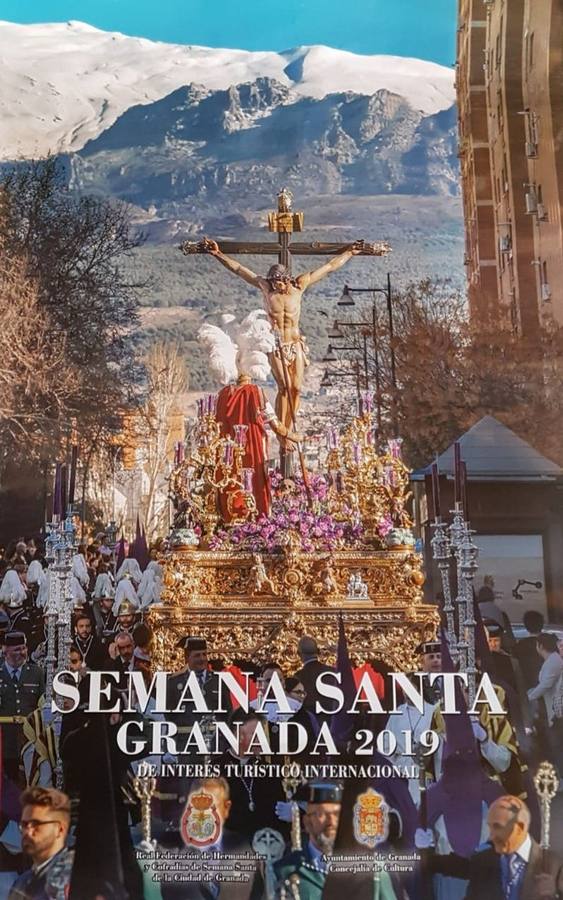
<point x="212" y="468"/>
<point x="368" y="484"/>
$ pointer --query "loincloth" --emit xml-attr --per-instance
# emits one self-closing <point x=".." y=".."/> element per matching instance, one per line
<point x="289" y="349"/>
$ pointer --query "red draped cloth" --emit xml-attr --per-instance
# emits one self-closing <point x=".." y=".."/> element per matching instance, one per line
<point x="242" y="404"/>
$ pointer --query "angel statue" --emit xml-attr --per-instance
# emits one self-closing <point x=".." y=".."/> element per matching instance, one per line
<point x="238" y="353"/>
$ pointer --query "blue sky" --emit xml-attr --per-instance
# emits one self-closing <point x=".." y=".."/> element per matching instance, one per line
<point x="422" y="28"/>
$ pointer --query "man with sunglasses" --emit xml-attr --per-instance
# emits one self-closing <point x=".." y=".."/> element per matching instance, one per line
<point x="44" y="826"/>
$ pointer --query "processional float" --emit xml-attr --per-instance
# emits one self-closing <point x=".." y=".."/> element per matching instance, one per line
<point x="252" y="582"/>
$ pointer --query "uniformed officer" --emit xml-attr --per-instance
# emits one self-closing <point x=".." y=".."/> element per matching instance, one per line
<point x="128" y="616"/>
<point x="430" y="655"/>
<point x="308" y="867"/>
<point x="196" y="660"/>
<point x="22" y="683"/>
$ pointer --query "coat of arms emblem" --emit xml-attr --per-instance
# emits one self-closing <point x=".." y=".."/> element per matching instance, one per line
<point x="200" y="825"/>
<point x="371" y="818"/>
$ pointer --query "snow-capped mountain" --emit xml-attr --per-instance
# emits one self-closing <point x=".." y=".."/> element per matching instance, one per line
<point x="65" y="84"/>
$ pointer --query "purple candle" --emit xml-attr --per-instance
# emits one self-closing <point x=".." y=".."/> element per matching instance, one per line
<point x="457" y="472"/>
<point x="213" y="404"/>
<point x="180" y="451"/>
<point x="464" y="502"/>
<point x="436" y="490"/>
<point x="356" y="453"/>
<point x="389" y="476"/>
<point x="240" y="435"/>
<point x="394" y="447"/>
<point x="368" y="402"/>
<point x="63" y="490"/>
<point x="200" y="408"/>
<point x="57" y="504"/>
<point x="247" y="479"/>
<point x="228" y="454"/>
<point x="339" y="482"/>
<point x="73" y="466"/>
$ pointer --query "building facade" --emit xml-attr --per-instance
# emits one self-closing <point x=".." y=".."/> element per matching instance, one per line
<point x="510" y="97"/>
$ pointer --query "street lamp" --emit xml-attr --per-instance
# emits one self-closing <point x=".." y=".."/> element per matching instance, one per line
<point x="336" y="334"/>
<point x="327" y="381"/>
<point x="348" y="300"/>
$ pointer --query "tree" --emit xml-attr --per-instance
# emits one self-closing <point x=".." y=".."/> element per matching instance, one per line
<point x="451" y="372"/>
<point x="35" y="385"/>
<point x="73" y="247"/>
<point x="158" y="422"/>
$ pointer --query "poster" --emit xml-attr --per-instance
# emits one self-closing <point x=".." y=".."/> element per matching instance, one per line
<point x="259" y="264"/>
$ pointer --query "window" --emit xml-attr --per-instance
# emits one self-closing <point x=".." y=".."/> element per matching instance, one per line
<point x="497" y="49"/>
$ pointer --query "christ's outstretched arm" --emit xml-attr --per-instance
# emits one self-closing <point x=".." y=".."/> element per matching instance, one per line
<point x="233" y="266"/>
<point x="309" y="278"/>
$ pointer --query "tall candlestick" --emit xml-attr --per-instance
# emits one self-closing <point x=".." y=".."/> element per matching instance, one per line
<point x="464" y="502"/>
<point x="57" y="504"/>
<point x="457" y="472"/>
<point x="436" y="490"/>
<point x="73" y="466"/>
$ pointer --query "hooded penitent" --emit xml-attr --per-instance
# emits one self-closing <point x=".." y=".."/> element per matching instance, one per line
<point x="103" y="586"/>
<point x="35" y="573"/>
<point x="130" y="568"/>
<point x="124" y="591"/>
<point x="462" y="776"/>
<point x="12" y="591"/>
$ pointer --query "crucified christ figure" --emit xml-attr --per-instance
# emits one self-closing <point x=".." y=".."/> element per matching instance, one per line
<point x="282" y="299"/>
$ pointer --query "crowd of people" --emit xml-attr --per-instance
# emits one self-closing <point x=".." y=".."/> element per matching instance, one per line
<point x="468" y="820"/>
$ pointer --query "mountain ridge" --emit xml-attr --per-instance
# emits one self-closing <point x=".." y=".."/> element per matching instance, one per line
<point x="66" y="83"/>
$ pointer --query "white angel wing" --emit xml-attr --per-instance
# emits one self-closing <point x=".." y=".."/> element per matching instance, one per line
<point x="222" y="352"/>
<point x="256" y="341"/>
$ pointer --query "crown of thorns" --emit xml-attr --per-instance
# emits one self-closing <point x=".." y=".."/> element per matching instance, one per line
<point x="278" y="273"/>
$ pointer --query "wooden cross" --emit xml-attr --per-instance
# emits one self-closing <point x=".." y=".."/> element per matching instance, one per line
<point x="284" y="222"/>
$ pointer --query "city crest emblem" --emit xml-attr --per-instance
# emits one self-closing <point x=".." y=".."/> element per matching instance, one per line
<point x="371" y="819"/>
<point x="200" y="825"/>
